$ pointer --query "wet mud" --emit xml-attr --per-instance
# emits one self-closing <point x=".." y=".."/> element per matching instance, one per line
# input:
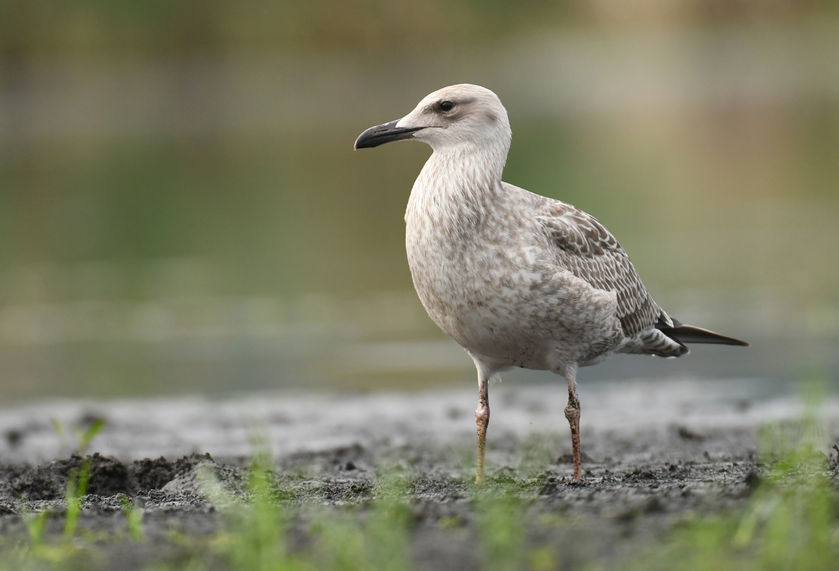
<point x="643" y="475"/>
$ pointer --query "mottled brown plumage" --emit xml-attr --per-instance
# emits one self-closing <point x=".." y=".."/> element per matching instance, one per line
<point x="591" y="253"/>
<point x="516" y="278"/>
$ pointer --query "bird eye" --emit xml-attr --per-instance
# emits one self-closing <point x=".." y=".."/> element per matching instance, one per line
<point x="446" y="105"/>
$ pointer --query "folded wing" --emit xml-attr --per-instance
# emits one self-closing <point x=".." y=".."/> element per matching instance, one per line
<point x="589" y="251"/>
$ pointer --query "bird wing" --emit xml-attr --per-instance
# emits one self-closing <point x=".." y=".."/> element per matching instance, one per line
<point x="589" y="251"/>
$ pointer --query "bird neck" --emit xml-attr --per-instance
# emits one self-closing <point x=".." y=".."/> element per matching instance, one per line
<point x="483" y="162"/>
<point x="458" y="185"/>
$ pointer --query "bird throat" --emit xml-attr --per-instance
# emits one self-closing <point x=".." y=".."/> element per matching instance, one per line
<point x="456" y="190"/>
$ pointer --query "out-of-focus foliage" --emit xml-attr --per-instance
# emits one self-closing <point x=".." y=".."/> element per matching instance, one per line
<point x="157" y="28"/>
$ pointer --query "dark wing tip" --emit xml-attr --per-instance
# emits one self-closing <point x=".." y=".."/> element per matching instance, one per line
<point x="691" y="334"/>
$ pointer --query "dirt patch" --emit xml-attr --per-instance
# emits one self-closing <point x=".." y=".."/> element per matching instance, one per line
<point x="641" y="477"/>
<point x="616" y="511"/>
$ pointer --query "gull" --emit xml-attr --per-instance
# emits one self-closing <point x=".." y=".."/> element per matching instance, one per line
<point x="516" y="278"/>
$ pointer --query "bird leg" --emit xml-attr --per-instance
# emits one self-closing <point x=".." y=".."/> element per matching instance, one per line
<point x="572" y="413"/>
<point x="482" y="421"/>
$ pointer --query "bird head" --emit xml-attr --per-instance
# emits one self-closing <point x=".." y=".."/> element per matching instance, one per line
<point x="454" y="116"/>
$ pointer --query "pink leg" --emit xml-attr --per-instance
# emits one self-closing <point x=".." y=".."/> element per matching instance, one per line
<point x="572" y="413"/>
<point x="482" y="421"/>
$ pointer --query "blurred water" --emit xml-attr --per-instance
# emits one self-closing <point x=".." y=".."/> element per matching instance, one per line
<point x="224" y="344"/>
<point x="202" y="224"/>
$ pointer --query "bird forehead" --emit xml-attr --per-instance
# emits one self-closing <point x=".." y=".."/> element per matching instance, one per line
<point x="461" y="93"/>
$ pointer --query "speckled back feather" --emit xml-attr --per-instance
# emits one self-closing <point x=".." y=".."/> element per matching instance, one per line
<point x="592" y="253"/>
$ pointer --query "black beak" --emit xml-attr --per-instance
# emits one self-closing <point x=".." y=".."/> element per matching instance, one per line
<point x="381" y="134"/>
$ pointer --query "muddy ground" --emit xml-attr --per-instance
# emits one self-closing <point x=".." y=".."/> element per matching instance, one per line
<point x="656" y="453"/>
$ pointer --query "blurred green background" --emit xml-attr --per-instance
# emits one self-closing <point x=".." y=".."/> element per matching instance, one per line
<point x="181" y="209"/>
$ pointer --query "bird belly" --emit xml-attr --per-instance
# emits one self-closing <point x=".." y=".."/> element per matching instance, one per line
<point x="528" y="317"/>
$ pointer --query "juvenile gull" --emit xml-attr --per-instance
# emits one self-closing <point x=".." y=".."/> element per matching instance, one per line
<point x="517" y="279"/>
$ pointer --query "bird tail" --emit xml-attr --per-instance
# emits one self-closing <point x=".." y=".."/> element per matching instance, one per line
<point x="690" y="334"/>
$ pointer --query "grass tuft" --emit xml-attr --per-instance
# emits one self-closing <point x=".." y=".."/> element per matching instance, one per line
<point x="790" y="521"/>
<point x="77" y="482"/>
<point x="255" y="526"/>
<point x="501" y="526"/>
<point x="375" y="536"/>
